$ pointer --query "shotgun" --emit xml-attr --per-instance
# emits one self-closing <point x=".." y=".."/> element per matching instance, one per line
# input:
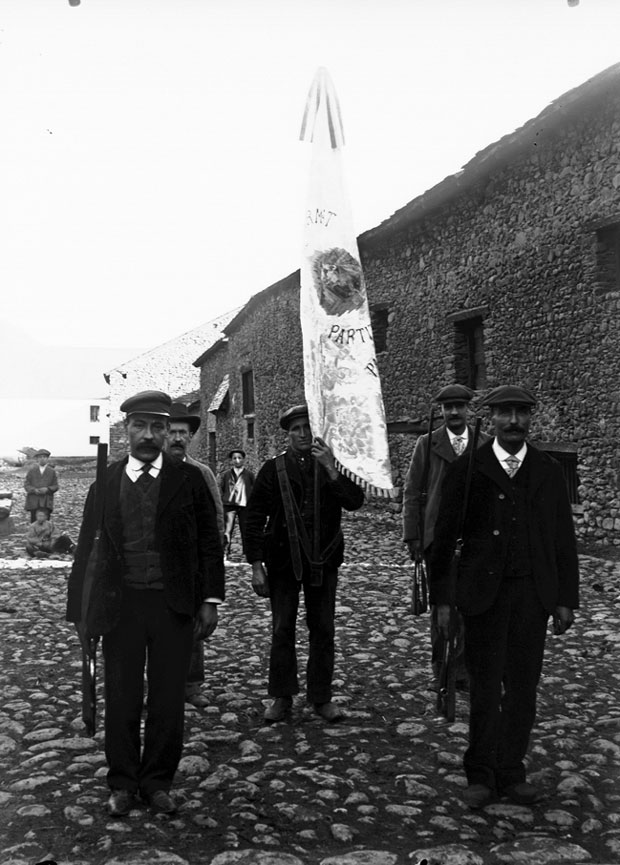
<point x="419" y="590"/>
<point x="89" y="642"/>
<point x="446" y="696"/>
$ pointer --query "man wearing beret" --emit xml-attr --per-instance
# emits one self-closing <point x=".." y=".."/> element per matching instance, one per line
<point x="159" y="580"/>
<point x="280" y="525"/>
<point x="518" y="567"/>
<point x="40" y="484"/>
<point x="183" y="427"/>
<point x="236" y="485"/>
<point x="453" y="438"/>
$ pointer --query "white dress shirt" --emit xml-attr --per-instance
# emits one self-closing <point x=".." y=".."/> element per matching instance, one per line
<point x="503" y="455"/>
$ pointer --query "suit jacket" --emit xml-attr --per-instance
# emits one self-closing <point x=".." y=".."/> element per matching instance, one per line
<point x="186" y="536"/>
<point x="266" y="535"/>
<point x="486" y="533"/>
<point x="442" y="454"/>
<point x="228" y="479"/>
<point x="34" y="480"/>
<point x="214" y="489"/>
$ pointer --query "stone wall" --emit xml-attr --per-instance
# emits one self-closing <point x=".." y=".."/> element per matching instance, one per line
<point x="266" y="340"/>
<point x="168" y="367"/>
<point x="521" y="246"/>
<point x="520" y="255"/>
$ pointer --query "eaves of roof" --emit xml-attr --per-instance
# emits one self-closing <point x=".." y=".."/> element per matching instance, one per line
<point x="497" y="155"/>
<point x="217" y="346"/>
<point x="287" y="283"/>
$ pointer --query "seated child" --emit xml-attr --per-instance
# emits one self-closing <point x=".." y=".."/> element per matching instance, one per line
<point x="39" y="535"/>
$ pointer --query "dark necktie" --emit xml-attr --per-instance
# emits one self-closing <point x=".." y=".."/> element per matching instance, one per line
<point x="145" y="478"/>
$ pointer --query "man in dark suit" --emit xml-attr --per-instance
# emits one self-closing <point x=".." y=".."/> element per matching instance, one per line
<point x="518" y="566"/>
<point x="160" y="579"/>
<point x="40" y="484"/>
<point x="279" y="538"/>
<point x="453" y="438"/>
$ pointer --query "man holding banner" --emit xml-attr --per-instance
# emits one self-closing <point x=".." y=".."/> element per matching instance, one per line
<point x="281" y="529"/>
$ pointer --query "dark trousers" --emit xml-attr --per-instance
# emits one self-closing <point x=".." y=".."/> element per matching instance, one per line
<point x="232" y="512"/>
<point x="148" y="633"/>
<point x="504" y="649"/>
<point x="320" y="602"/>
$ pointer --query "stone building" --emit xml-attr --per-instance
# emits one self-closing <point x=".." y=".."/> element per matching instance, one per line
<point x="506" y="272"/>
<point x="166" y="367"/>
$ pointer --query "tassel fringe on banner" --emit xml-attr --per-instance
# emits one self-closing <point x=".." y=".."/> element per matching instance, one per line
<point x="369" y="489"/>
<point x="322" y="88"/>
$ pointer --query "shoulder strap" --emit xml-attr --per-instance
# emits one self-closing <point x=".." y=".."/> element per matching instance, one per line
<point x="298" y="536"/>
<point x="291" y="520"/>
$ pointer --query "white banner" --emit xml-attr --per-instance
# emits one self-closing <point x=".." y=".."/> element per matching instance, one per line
<point x="342" y="385"/>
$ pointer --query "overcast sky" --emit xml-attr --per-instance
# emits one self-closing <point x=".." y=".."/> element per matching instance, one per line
<point x="151" y="172"/>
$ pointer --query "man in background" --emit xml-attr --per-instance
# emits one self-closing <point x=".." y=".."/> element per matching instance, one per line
<point x="236" y="485"/>
<point x="182" y="429"/>
<point x="40" y="484"/>
<point x="453" y="438"/>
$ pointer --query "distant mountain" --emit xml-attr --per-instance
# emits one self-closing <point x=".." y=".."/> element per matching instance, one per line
<point x="29" y="369"/>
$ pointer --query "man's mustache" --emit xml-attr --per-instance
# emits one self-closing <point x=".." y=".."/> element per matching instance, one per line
<point x="514" y="429"/>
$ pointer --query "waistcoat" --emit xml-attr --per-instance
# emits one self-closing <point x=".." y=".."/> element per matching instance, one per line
<point x="138" y="510"/>
<point x="518" y="560"/>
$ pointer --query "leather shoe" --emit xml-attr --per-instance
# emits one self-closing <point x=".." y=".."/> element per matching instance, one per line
<point x="477" y="795"/>
<point x="197" y="700"/>
<point x="523" y="793"/>
<point x="161" y="802"/>
<point x="331" y="712"/>
<point x="120" y="803"/>
<point x="278" y="710"/>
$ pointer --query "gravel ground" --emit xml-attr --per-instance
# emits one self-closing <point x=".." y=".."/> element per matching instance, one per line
<point x="382" y="788"/>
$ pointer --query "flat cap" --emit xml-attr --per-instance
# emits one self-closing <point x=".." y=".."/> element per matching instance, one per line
<point x="42" y="452"/>
<point x="179" y="412"/>
<point x="148" y="402"/>
<point x="291" y="414"/>
<point x="509" y="394"/>
<point x="454" y="392"/>
<point x="236" y="451"/>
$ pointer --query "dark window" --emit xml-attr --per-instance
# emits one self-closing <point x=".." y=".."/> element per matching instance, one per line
<point x="608" y="257"/>
<point x="469" y="366"/>
<point x="379" y="321"/>
<point x="94" y="414"/>
<point x="93" y="440"/>
<point x="250" y="430"/>
<point x="212" y="450"/>
<point x="247" y="385"/>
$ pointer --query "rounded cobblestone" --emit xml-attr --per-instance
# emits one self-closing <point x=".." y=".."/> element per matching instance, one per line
<point x="382" y="788"/>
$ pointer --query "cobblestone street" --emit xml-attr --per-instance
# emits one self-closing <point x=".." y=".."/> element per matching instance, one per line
<point x="382" y="788"/>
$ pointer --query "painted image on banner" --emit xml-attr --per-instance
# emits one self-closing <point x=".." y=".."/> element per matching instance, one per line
<point x="338" y="280"/>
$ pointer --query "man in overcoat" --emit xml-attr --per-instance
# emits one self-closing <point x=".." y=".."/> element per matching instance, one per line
<point x="518" y="567"/>
<point x="159" y="580"/>
<point x="40" y="484"/>
<point x="280" y="524"/>
<point x="183" y="428"/>
<point x="453" y="438"/>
